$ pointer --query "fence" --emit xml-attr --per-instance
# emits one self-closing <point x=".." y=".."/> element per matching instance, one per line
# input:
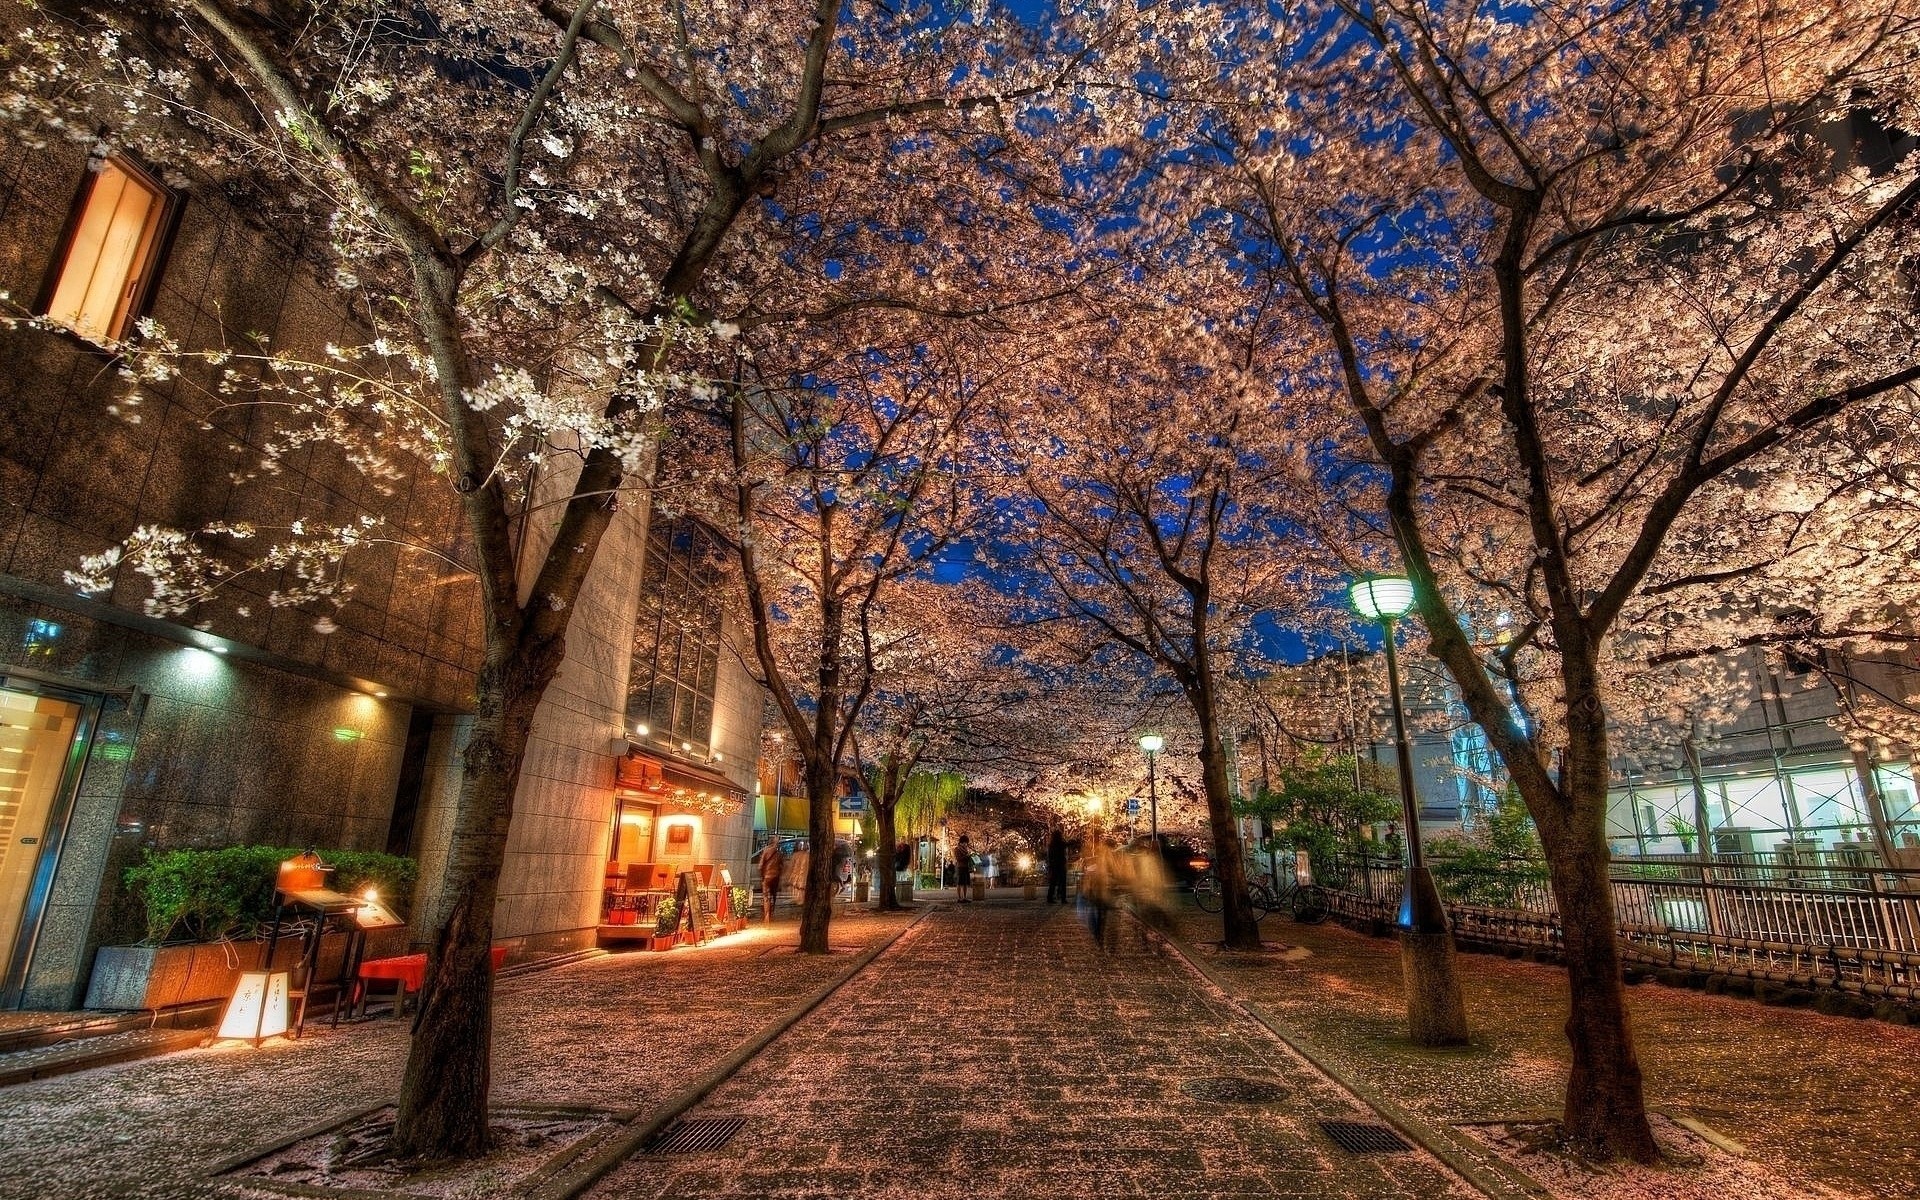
<point x="1844" y="928"/>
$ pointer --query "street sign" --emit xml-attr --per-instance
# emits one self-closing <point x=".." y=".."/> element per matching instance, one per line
<point x="1133" y="806"/>
<point x="853" y="806"/>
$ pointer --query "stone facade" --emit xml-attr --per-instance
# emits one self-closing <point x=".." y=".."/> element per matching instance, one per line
<point x="251" y="725"/>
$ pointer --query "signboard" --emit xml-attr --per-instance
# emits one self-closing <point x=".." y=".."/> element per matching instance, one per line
<point x="1133" y="806"/>
<point x="853" y="806"/>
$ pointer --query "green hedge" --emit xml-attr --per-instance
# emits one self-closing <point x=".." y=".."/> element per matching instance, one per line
<point x="205" y="895"/>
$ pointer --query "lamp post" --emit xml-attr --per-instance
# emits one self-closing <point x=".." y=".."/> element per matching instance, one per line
<point x="1436" y="1015"/>
<point x="1153" y="743"/>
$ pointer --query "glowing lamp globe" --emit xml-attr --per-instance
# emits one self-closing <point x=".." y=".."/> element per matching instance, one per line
<point x="1382" y="597"/>
<point x="1152" y="742"/>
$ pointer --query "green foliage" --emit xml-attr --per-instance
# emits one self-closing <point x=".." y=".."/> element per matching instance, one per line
<point x="666" y="915"/>
<point x="1316" y="806"/>
<point x="928" y="796"/>
<point x="740" y="900"/>
<point x="205" y="895"/>
<point x="1510" y="831"/>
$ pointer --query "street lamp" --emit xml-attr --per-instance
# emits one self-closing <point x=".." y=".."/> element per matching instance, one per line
<point x="1436" y="1015"/>
<point x="1153" y="743"/>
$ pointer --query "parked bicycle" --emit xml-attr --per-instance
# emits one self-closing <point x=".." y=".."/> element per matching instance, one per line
<point x="1307" y="905"/>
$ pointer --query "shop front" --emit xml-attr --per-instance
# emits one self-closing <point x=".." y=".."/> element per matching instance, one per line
<point x="669" y="878"/>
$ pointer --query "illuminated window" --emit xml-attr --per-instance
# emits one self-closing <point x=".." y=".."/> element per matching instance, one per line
<point x="112" y="251"/>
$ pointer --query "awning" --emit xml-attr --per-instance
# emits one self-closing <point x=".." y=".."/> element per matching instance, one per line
<point x="689" y="785"/>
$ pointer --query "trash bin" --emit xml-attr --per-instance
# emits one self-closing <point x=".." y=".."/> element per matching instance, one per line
<point x="979" y="888"/>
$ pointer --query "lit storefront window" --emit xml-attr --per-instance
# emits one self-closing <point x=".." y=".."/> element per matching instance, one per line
<point x="112" y="252"/>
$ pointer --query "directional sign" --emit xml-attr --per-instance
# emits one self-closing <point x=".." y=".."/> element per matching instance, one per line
<point x="853" y="806"/>
<point x="1133" y="806"/>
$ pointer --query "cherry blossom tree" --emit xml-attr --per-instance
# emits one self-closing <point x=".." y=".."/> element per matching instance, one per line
<point x="1157" y="518"/>
<point x="567" y="192"/>
<point x="1595" y="293"/>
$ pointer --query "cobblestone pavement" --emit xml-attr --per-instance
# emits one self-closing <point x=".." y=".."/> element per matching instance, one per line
<point x="994" y="1051"/>
<point x="1821" y="1100"/>
<point x="610" y="1032"/>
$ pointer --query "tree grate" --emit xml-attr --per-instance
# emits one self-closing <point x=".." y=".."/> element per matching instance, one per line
<point x="694" y="1137"/>
<point x="1233" y="1089"/>
<point x="1361" y="1137"/>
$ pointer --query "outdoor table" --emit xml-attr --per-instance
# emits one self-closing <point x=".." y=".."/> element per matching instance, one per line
<point x="409" y="971"/>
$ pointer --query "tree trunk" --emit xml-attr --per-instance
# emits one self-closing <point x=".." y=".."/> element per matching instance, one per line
<point x="443" y="1096"/>
<point x="1605" y="1112"/>
<point x="887" y="835"/>
<point x="1239" y="930"/>
<point x="816" y="905"/>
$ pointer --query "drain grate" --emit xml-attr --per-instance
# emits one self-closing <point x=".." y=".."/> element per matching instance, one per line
<point x="1361" y="1137"/>
<point x="693" y="1137"/>
<point x="1233" y="1089"/>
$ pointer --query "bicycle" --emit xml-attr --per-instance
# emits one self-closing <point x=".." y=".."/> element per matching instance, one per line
<point x="1307" y="905"/>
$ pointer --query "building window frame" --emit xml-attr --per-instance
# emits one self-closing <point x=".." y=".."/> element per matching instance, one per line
<point x="673" y="685"/>
<point x="91" y="232"/>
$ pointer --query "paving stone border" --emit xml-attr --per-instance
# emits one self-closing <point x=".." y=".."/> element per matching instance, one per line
<point x="1489" y="1175"/>
<point x="589" y="1170"/>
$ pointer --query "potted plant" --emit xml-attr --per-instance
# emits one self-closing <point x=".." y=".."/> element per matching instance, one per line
<point x="666" y="923"/>
<point x="1683" y="829"/>
<point x="741" y="897"/>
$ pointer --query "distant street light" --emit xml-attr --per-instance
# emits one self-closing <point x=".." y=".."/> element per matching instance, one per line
<point x="1152" y="743"/>
<point x="1436" y="1014"/>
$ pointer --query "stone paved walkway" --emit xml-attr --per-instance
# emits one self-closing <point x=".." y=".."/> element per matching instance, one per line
<point x="610" y="1032"/>
<point x="995" y="1052"/>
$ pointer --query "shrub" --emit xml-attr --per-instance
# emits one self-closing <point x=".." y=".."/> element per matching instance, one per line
<point x="206" y="895"/>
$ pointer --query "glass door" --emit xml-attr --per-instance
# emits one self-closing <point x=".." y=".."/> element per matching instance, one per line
<point x="36" y="733"/>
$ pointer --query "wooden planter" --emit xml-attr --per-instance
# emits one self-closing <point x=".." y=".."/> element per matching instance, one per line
<point x="147" y="977"/>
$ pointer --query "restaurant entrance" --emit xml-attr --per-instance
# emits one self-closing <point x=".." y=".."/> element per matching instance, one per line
<point x="37" y="772"/>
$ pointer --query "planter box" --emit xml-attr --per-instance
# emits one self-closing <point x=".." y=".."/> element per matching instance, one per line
<point x="663" y="941"/>
<point x="142" y="977"/>
<point x="135" y="977"/>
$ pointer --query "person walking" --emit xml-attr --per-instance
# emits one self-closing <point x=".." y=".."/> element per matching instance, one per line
<point x="797" y="872"/>
<point x="963" y="869"/>
<point x="1056" y="865"/>
<point x="772" y="862"/>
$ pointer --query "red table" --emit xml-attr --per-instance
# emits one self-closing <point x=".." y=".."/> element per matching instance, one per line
<point x="409" y="971"/>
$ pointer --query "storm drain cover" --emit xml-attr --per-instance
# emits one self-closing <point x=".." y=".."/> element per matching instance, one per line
<point x="693" y="1137"/>
<point x="1233" y="1089"/>
<point x="1362" y="1137"/>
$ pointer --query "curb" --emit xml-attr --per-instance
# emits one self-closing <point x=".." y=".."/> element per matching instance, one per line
<point x="581" y="1174"/>
<point x="80" y="1060"/>
<point x="1477" y="1167"/>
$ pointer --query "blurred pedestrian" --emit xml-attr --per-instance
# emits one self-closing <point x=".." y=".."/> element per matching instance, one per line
<point x="1149" y="888"/>
<point x="1056" y="864"/>
<point x="902" y="859"/>
<point x="963" y="869"/>
<point x="1095" y="899"/>
<point x="772" y="862"/>
<point x="799" y="868"/>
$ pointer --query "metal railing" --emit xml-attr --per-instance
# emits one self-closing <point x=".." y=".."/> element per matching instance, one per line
<point x="1850" y="928"/>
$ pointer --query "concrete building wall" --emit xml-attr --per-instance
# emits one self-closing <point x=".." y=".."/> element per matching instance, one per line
<point x="277" y="741"/>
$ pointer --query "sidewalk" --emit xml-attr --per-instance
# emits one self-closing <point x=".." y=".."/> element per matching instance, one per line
<point x="1817" y="1099"/>
<point x="611" y="1032"/>
<point x="994" y="1051"/>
